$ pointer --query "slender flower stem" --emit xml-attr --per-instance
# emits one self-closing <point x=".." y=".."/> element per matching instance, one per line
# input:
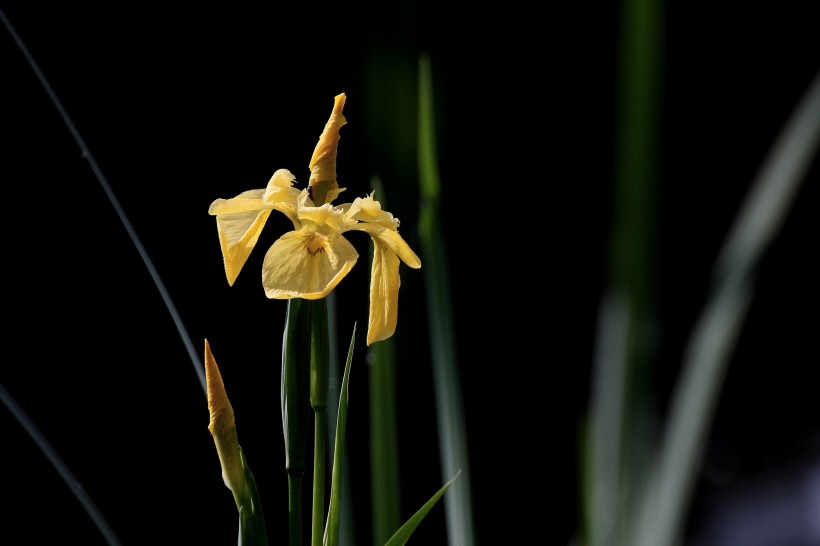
<point x="319" y="460"/>
<point x="384" y="442"/>
<point x="295" y="508"/>
<point x="319" y="387"/>
<point x="295" y="408"/>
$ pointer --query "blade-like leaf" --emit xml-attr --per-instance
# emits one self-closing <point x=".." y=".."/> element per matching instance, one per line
<point x="331" y="537"/>
<point x="403" y="534"/>
<point x="252" y="529"/>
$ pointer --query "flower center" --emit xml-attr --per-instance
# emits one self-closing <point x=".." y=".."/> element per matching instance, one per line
<point x="314" y="243"/>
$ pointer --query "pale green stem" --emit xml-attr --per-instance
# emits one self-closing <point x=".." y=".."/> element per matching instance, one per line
<point x="449" y="407"/>
<point x="319" y="461"/>
<point x="708" y="352"/>
<point x="621" y="405"/>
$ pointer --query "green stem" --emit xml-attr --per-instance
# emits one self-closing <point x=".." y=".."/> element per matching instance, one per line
<point x="319" y="450"/>
<point x="319" y="387"/>
<point x="296" y="407"/>
<point x="384" y="442"/>
<point x="295" y="509"/>
<point x="385" y="485"/>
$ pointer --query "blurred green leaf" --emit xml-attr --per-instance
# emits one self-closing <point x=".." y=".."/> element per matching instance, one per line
<point x="449" y="407"/>
<point x="385" y="482"/>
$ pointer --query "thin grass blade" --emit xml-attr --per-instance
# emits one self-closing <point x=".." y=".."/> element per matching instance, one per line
<point x="62" y="469"/>
<point x="405" y="531"/>
<point x="332" y="526"/>
<point x="112" y="197"/>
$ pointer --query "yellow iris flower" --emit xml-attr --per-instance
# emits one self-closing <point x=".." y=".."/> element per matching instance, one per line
<point x="311" y="260"/>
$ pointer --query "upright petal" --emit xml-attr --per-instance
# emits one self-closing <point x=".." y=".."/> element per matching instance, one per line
<point x="280" y="189"/>
<point x="323" y="163"/>
<point x="306" y="264"/>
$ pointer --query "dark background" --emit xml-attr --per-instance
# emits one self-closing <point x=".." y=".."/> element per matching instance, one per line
<point x="180" y="106"/>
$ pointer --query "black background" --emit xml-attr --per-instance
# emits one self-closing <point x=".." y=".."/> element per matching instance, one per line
<point x="181" y="105"/>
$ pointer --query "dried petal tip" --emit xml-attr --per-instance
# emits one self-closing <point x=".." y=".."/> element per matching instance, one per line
<point x="323" y="163"/>
<point x="339" y="103"/>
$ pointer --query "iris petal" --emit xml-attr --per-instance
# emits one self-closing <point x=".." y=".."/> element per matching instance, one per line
<point x="238" y="234"/>
<point x="393" y="241"/>
<point x="244" y="202"/>
<point x="323" y="163"/>
<point x="306" y="264"/>
<point x="384" y="292"/>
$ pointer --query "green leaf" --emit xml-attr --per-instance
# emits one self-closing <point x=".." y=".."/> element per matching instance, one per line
<point x="252" y="530"/>
<point x="403" y="534"/>
<point x="331" y="537"/>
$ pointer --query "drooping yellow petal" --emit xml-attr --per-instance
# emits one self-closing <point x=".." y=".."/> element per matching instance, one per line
<point x="238" y="234"/>
<point x="323" y="163"/>
<point x="393" y="241"/>
<point x="306" y="264"/>
<point x="244" y="202"/>
<point x="384" y="292"/>
<point x="223" y="428"/>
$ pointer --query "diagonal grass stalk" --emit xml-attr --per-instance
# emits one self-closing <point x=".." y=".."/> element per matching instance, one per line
<point x="62" y="469"/>
<point x="109" y="192"/>
<point x="28" y="425"/>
